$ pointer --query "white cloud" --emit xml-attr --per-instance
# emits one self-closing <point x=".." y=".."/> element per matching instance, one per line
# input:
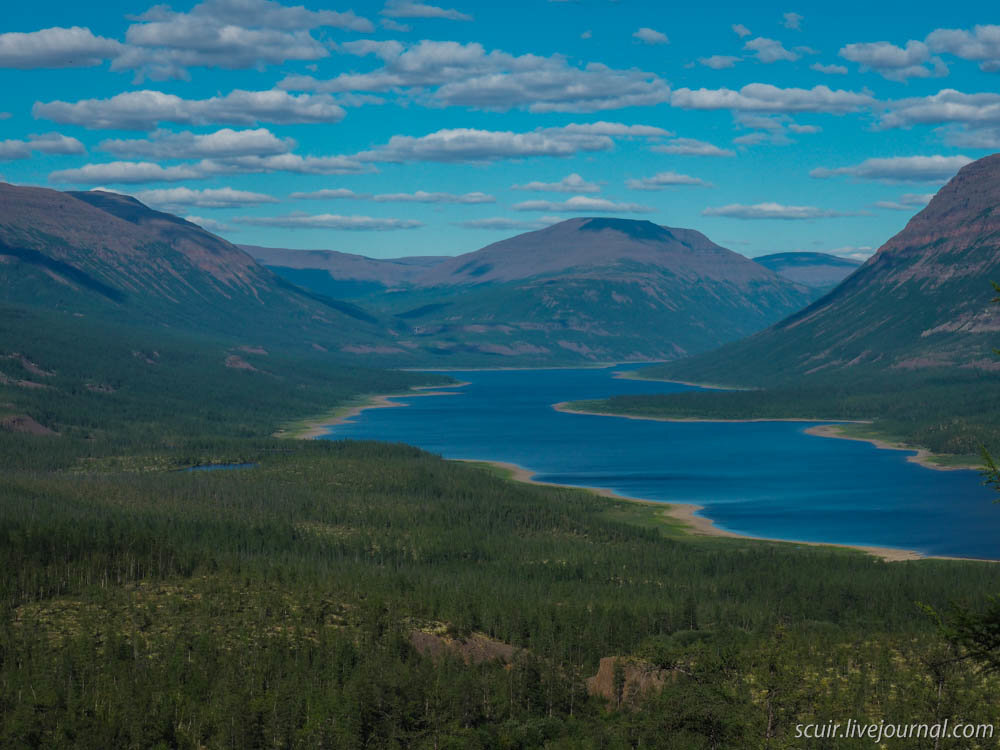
<point x="830" y="70"/>
<point x="163" y="144"/>
<point x="663" y="180"/>
<point x="142" y="110"/>
<point x="469" y="145"/>
<point x="964" y="137"/>
<point x="895" y="63"/>
<point x="587" y="34"/>
<point x="752" y="139"/>
<point x="718" y="62"/>
<point x="11" y="150"/>
<point x="772" y="211"/>
<point x="650" y="36"/>
<point x="981" y="45"/>
<point x="580" y="204"/>
<point x="5" y="115"/>
<point x="74" y="47"/>
<point x="573" y="183"/>
<point x="900" y="169"/>
<point x="331" y="194"/>
<point x="907" y="202"/>
<point x="325" y="165"/>
<point x="211" y="225"/>
<point x="228" y="34"/>
<point x="770" y="50"/>
<point x="499" y="223"/>
<point x="763" y="97"/>
<point x="740" y="30"/>
<point x="388" y="23"/>
<point x="211" y="198"/>
<point x="124" y="172"/>
<point x="690" y="147"/>
<point x="422" y="196"/>
<point x="946" y="106"/>
<point x="455" y="74"/>
<point x="409" y="9"/>
<point x="792" y="21"/>
<point x="330" y="221"/>
<point x="610" y="128"/>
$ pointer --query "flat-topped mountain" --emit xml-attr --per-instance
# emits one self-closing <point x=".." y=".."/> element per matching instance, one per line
<point x="595" y="289"/>
<point x="820" y="271"/>
<point x="923" y="300"/>
<point x="589" y="243"/>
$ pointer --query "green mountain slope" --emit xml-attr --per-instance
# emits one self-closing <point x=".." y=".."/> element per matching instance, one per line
<point x="593" y="290"/>
<point x="922" y="301"/>
<point x="98" y="253"/>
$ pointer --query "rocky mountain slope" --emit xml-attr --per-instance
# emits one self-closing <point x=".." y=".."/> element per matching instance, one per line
<point x="100" y="253"/>
<point x="595" y="289"/>
<point x="922" y="301"/>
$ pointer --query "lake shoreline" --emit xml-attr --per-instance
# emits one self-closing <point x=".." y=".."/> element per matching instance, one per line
<point x="922" y="456"/>
<point x="686" y="513"/>
<point x="309" y="429"/>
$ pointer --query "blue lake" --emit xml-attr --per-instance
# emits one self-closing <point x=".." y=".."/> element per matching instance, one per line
<point x="764" y="479"/>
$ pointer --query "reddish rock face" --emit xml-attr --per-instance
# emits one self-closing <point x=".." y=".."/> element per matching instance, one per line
<point x="923" y="300"/>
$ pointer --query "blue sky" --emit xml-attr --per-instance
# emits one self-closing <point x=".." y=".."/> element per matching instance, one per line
<point x="410" y="128"/>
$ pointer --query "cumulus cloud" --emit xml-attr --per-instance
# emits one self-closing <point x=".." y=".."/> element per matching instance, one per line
<point x="163" y="144"/>
<point x="740" y="30"/>
<point x="408" y="9"/>
<point x="422" y="196"/>
<point x="650" y="36"/>
<point x="455" y="74"/>
<point x="12" y="150"/>
<point x="331" y="194"/>
<point x="830" y="70"/>
<point x="74" y="47"/>
<point x="124" y="172"/>
<point x="55" y="143"/>
<point x="763" y="97"/>
<point x="792" y="21"/>
<point x="228" y="34"/>
<point x="294" y="163"/>
<point x="663" y="180"/>
<point x="212" y="225"/>
<point x="143" y="110"/>
<point x="691" y="147"/>
<point x="893" y="62"/>
<point x="582" y="204"/>
<point x="573" y="183"/>
<point x="899" y="169"/>
<point x="610" y="128"/>
<point x="772" y="211"/>
<point x="907" y="202"/>
<point x="981" y="45"/>
<point x="500" y="223"/>
<point x="470" y="145"/>
<point x="330" y="221"/>
<point x="718" y="62"/>
<point x="770" y="50"/>
<point x="211" y="198"/>
<point x="946" y="106"/>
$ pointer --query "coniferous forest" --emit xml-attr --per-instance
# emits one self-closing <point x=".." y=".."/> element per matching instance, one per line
<point x="363" y="595"/>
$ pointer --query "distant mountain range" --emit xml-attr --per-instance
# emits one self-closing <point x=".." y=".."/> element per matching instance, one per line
<point x="819" y="271"/>
<point x="590" y="289"/>
<point x="922" y="301"/>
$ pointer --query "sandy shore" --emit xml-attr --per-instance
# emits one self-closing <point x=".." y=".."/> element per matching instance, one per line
<point x="687" y="514"/>
<point x="923" y="457"/>
<point x="319" y="427"/>
<point x="563" y="406"/>
<point x="634" y="375"/>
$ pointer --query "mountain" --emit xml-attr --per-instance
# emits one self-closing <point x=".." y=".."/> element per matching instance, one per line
<point x="594" y="289"/>
<point x="100" y="253"/>
<point x="820" y="271"/>
<point x="341" y="274"/>
<point x="922" y="301"/>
